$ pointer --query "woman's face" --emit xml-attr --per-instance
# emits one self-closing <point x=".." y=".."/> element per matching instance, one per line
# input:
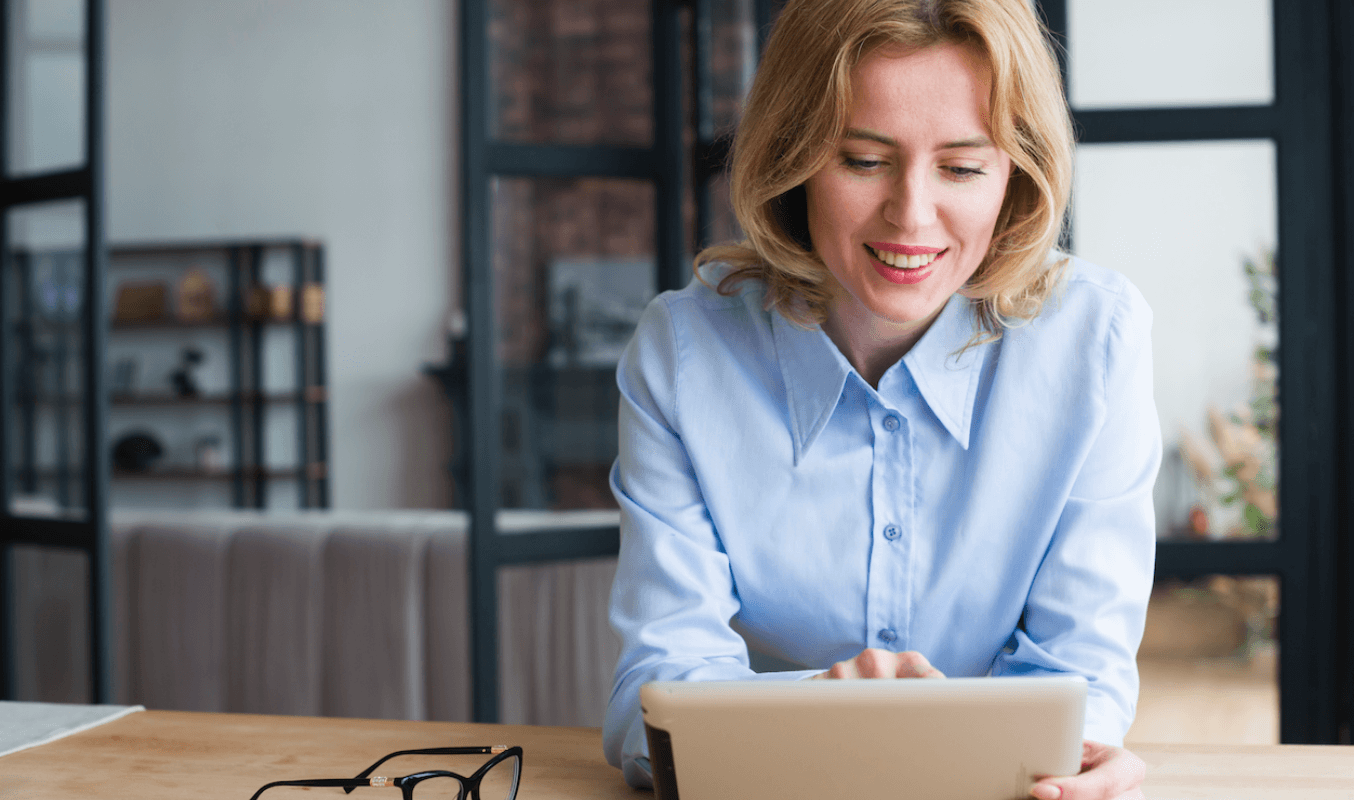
<point x="903" y="213"/>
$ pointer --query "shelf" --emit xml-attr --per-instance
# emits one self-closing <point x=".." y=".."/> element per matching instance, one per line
<point x="313" y="472"/>
<point x="313" y="394"/>
<point x="118" y="250"/>
<point x="222" y="321"/>
<point x="166" y="324"/>
<point x="130" y="249"/>
<point x="316" y="471"/>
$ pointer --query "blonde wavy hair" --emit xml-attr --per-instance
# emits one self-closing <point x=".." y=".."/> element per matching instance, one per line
<point x="796" y="114"/>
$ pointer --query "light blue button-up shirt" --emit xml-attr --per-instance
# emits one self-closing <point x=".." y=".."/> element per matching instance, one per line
<point x="990" y="507"/>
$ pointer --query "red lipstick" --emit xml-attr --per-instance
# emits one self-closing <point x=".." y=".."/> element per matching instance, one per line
<point x="904" y="249"/>
<point x="900" y="275"/>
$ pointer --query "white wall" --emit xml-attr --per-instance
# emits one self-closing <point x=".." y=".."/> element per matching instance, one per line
<point x="323" y="118"/>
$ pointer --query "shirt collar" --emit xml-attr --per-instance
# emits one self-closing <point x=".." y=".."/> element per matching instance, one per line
<point x="946" y="377"/>
<point x="815" y="373"/>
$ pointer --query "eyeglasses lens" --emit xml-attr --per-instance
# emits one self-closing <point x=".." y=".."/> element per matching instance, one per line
<point x="500" y="782"/>
<point x="438" y="788"/>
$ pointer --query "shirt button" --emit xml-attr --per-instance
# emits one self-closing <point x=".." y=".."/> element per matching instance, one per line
<point x="890" y="423"/>
<point x="892" y="532"/>
<point x="888" y="635"/>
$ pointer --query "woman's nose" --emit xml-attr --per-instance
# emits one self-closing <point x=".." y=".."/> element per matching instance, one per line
<point x="910" y="204"/>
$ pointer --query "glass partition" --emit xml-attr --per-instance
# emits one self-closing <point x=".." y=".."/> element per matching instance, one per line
<point x="45" y="359"/>
<point x="50" y="624"/>
<point x="1158" y="53"/>
<point x="571" y="73"/>
<point x="573" y="271"/>
<point x="1209" y="663"/>
<point x="733" y="60"/>
<point x="724" y="225"/>
<point x="46" y="74"/>
<point x="1194" y="227"/>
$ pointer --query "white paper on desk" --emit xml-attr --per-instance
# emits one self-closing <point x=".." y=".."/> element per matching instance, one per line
<point x="25" y="725"/>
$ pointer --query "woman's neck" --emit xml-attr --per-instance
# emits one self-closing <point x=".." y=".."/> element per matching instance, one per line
<point x="870" y="343"/>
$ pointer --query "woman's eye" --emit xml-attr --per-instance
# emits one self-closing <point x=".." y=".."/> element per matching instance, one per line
<point x="864" y="164"/>
<point x="964" y="173"/>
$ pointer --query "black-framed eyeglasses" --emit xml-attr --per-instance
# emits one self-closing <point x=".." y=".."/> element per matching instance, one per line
<point x="496" y="780"/>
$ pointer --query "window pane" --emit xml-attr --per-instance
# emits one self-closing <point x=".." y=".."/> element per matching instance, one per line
<point x="47" y="85"/>
<point x="733" y="60"/>
<point x="1209" y="663"/>
<point x="50" y="620"/>
<point x="573" y="271"/>
<point x="724" y="225"/>
<point x="1183" y="221"/>
<point x="54" y="19"/>
<point x="568" y="599"/>
<point x="1170" y="53"/>
<point x="44" y="291"/>
<point x="571" y="72"/>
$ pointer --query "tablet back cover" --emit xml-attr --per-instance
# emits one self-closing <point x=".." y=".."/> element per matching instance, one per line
<point x="959" y="738"/>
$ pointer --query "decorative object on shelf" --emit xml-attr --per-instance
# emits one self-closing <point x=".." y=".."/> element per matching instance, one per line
<point x="123" y="382"/>
<point x="141" y="301"/>
<point x="196" y="296"/>
<point x="276" y="302"/>
<point x="136" y="451"/>
<point x="208" y="455"/>
<point x="184" y="381"/>
<point x="312" y="303"/>
<point x="280" y="302"/>
<point x="57" y="289"/>
<point x="256" y="302"/>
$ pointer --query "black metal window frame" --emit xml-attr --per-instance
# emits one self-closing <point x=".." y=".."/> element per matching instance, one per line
<point x="1312" y="255"/>
<point x="89" y="535"/>
<point x="484" y="158"/>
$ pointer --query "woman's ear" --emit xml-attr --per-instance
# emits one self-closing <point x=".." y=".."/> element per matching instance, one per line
<point x="791" y="211"/>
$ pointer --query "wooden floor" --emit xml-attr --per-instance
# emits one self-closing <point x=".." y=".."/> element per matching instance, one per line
<point x="1220" y="700"/>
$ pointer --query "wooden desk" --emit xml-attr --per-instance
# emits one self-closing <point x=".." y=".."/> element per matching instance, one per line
<point x="177" y="754"/>
<point x="171" y="754"/>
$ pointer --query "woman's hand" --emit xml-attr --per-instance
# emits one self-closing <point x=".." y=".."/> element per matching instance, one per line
<point x="875" y="663"/>
<point x="1107" y="773"/>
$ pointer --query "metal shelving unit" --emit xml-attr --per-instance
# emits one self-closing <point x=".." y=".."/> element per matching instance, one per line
<point x="245" y="401"/>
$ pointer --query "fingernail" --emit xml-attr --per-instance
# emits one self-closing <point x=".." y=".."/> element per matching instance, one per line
<point x="1046" y="791"/>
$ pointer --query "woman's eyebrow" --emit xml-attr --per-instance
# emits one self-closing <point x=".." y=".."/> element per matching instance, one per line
<point x="871" y="136"/>
<point x="861" y="133"/>
<point x="975" y="142"/>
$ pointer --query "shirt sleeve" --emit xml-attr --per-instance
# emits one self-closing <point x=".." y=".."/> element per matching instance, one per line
<point x="1088" y="602"/>
<point x="673" y="594"/>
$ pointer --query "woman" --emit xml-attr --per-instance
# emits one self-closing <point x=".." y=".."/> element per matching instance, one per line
<point x="901" y="436"/>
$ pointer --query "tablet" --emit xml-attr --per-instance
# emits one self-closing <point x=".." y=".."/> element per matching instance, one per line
<point x="960" y="738"/>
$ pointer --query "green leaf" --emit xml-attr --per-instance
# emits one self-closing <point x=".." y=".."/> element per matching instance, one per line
<point x="1256" y="522"/>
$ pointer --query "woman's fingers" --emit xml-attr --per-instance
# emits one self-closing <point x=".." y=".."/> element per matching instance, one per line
<point x="914" y="665"/>
<point x="875" y="663"/>
<point x="1107" y="773"/>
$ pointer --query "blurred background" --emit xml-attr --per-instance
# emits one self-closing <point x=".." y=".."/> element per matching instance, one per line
<point x="366" y="270"/>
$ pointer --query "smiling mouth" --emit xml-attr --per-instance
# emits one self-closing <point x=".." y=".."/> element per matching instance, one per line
<point x="900" y="261"/>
